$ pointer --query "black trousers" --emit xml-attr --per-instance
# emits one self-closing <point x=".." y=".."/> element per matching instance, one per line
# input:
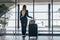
<point x="23" y="27"/>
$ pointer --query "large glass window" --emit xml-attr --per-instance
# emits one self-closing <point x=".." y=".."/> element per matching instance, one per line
<point x="40" y="15"/>
<point x="56" y="19"/>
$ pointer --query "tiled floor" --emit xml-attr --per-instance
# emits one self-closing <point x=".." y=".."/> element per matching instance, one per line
<point x="31" y="38"/>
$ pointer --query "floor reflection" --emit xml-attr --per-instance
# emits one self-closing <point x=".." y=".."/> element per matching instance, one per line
<point x="2" y="38"/>
<point x="29" y="38"/>
<point x="32" y="39"/>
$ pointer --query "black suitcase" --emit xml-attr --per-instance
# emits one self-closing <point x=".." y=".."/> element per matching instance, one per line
<point x="32" y="30"/>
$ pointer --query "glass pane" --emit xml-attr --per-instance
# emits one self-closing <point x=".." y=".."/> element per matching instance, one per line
<point x="11" y="21"/>
<point x="41" y="18"/>
<point x="39" y="8"/>
<point x="7" y="24"/>
<point x="56" y="19"/>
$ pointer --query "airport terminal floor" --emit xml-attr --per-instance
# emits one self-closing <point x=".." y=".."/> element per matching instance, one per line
<point x="31" y="38"/>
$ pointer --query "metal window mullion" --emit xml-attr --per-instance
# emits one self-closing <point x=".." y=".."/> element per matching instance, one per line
<point x="52" y="18"/>
<point x="18" y="15"/>
<point x="33" y="8"/>
<point x="15" y="15"/>
<point x="49" y="18"/>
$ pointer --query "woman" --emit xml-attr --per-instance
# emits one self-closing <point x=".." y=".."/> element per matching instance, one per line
<point x="23" y="18"/>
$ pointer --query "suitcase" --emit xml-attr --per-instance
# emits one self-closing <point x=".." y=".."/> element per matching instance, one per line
<point x="32" y="29"/>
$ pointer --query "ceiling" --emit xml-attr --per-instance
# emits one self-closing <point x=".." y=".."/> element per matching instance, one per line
<point x="28" y="0"/>
<point x="40" y="0"/>
<point x="5" y="1"/>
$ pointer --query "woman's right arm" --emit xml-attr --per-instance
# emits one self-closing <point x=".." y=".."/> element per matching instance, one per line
<point x="28" y="14"/>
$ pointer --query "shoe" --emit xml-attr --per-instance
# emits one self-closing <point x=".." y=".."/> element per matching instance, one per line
<point x="23" y="36"/>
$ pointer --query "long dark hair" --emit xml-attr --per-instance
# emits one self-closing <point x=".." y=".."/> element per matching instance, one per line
<point x="24" y="7"/>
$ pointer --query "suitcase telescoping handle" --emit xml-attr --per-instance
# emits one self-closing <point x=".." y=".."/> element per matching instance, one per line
<point x="32" y="22"/>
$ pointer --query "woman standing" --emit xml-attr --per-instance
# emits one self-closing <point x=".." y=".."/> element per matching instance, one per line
<point x="24" y="20"/>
